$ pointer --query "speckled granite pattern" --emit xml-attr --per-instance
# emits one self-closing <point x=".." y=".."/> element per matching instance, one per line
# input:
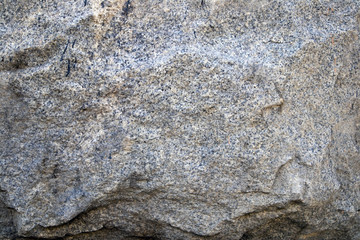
<point x="180" y="119"/>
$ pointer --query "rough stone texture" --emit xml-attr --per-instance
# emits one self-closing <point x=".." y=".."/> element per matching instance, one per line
<point x="174" y="119"/>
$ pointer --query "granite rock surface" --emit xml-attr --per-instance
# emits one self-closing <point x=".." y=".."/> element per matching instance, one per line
<point x="180" y="119"/>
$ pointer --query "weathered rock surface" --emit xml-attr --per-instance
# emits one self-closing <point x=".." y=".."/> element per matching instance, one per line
<point x="170" y="119"/>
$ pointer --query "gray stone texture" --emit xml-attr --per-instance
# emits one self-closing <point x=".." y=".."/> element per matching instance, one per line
<point x="180" y="119"/>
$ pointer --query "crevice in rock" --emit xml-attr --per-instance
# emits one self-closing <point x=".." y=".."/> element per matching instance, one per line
<point x="31" y="57"/>
<point x="279" y="228"/>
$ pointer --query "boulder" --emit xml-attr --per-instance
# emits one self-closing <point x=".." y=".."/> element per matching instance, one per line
<point x="186" y="119"/>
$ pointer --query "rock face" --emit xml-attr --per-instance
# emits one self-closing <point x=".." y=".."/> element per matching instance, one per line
<point x="164" y="119"/>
